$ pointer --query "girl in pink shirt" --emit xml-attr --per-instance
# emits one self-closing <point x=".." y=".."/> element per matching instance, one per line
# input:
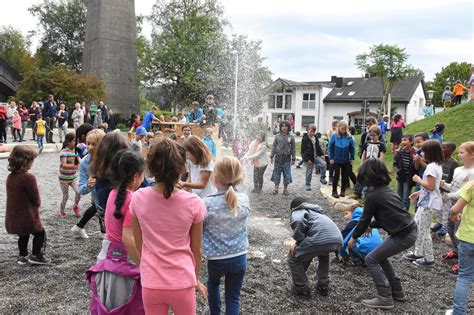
<point x="167" y="228"/>
<point x="396" y="131"/>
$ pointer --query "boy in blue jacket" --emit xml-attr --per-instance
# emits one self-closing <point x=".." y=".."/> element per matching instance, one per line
<point x="364" y="244"/>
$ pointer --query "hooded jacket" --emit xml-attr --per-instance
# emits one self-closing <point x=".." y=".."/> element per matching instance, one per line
<point x="364" y="244"/>
<point x="313" y="231"/>
<point x="308" y="149"/>
<point x="283" y="149"/>
<point x="341" y="149"/>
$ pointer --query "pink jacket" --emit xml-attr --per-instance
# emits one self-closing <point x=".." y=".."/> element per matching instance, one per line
<point x="16" y="120"/>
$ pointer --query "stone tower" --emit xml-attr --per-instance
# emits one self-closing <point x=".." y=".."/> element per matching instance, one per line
<point x="110" y="51"/>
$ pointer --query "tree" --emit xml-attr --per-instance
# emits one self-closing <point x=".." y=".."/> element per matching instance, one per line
<point x="62" y="25"/>
<point x="14" y="49"/>
<point x="66" y="84"/>
<point x="387" y="62"/>
<point x="448" y="77"/>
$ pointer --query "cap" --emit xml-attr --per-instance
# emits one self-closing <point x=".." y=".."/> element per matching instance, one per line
<point x="141" y="131"/>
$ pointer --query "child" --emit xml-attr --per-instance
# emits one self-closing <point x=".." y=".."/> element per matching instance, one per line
<point x="40" y="131"/>
<point x="167" y="227"/>
<point x="365" y="137"/>
<point x="87" y="183"/>
<point x="312" y="155"/>
<point x="283" y="155"/>
<point x="137" y="141"/>
<point x="364" y="245"/>
<point x="418" y="161"/>
<point x="429" y="201"/>
<point x="259" y="159"/>
<point x="403" y="165"/>
<point x="465" y="204"/>
<point x="448" y="168"/>
<point x="81" y="136"/>
<point x="396" y="130"/>
<point x="23" y="202"/>
<point x="149" y="140"/>
<point x="373" y="148"/>
<point x="461" y="176"/>
<point x="329" y="134"/>
<point x="211" y="144"/>
<point x="316" y="235"/>
<point x="383" y="209"/>
<point x="341" y="155"/>
<point x="187" y="132"/>
<point x="69" y="163"/>
<point x="201" y="166"/>
<point x="16" y="121"/>
<point x="447" y="97"/>
<point x="225" y="241"/>
<point x="437" y="132"/>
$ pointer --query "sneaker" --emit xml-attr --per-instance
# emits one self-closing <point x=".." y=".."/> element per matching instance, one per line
<point x="62" y="213"/>
<point x="454" y="271"/>
<point x="324" y="181"/>
<point x="304" y="294"/>
<point x="22" y="260"/>
<point x="79" y="232"/>
<point x="77" y="211"/>
<point x="436" y="227"/>
<point x="343" y="193"/>
<point x="308" y="188"/>
<point x="422" y="262"/>
<point x="442" y="232"/>
<point x="321" y="291"/>
<point x="40" y="150"/>
<point x="38" y="260"/>
<point x="298" y="166"/>
<point x="379" y="302"/>
<point x="335" y="195"/>
<point x="449" y="312"/>
<point x="412" y="257"/>
<point x="452" y="254"/>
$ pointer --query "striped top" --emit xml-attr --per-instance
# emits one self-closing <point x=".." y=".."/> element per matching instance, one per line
<point x="406" y="161"/>
<point x="67" y="171"/>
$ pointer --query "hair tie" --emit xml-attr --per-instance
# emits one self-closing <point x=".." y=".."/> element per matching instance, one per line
<point x="232" y="185"/>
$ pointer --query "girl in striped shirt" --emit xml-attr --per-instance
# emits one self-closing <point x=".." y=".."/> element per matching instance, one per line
<point x="67" y="174"/>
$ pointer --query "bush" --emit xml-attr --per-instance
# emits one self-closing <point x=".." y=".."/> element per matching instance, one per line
<point x="298" y="133"/>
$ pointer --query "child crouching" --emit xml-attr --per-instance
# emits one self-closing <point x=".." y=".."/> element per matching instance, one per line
<point x="316" y="235"/>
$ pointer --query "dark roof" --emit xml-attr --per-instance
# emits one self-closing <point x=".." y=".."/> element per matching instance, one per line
<point x="370" y="89"/>
<point x="307" y="83"/>
<point x="9" y="78"/>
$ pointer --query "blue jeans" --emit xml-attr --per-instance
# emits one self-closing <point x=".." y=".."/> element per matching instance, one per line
<point x="39" y="141"/>
<point x="318" y="161"/>
<point x="233" y="270"/>
<point x="404" y="191"/>
<point x="282" y="167"/>
<point x="465" y="277"/>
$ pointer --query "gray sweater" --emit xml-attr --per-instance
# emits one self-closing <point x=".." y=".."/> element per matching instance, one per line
<point x="283" y="149"/>
<point x="313" y="231"/>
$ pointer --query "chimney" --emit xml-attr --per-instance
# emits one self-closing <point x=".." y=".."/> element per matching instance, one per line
<point x="339" y="82"/>
<point x="333" y="78"/>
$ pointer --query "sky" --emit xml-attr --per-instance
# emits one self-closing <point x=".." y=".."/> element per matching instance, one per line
<point x="309" y="40"/>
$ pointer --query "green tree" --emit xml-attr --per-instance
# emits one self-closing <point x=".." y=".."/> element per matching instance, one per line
<point x="387" y="62"/>
<point x="448" y="77"/>
<point x="66" y="84"/>
<point x="61" y="29"/>
<point x="14" y="49"/>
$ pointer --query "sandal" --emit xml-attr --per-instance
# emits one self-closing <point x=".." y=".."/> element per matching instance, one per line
<point x="286" y="193"/>
<point x="275" y="192"/>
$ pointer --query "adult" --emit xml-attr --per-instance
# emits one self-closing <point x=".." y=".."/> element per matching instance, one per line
<point x="427" y="109"/>
<point x="33" y="112"/>
<point x="24" y="114"/>
<point x="383" y="124"/>
<point x="10" y="112"/>
<point x="209" y="110"/>
<point x="50" y="110"/>
<point x="92" y="112"/>
<point x="62" y="117"/>
<point x="458" y="91"/>
<point x="396" y="130"/>
<point x="150" y="118"/>
<point x="3" y="123"/>
<point x="77" y="116"/>
<point x="196" y="114"/>
<point x="104" y="112"/>
<point x="292" y="122"/>
<point x="112" y="123"/>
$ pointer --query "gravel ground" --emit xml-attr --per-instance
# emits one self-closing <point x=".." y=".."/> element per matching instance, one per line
<point x="60" y="287"/>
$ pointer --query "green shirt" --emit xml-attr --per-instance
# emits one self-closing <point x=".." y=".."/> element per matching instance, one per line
<point x="466" y="229"/>
<point x="93" y="109"/>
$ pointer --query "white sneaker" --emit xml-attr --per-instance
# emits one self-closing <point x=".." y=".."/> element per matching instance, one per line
<point x="449" y="312"/>
<point x="79" y="232"/>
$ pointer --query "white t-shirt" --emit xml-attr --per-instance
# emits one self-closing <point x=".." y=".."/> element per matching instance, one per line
<point x="195" y="174"/>
<point x="432" y="199"/>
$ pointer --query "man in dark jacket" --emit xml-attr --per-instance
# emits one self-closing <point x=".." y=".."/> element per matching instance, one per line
<point x="50" y="111"/>
<point x="312" y="155"/>
<point x="316" y="235"/>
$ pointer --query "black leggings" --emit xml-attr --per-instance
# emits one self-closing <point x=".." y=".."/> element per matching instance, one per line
<point x="38" y="242"/>
<point x="258" y="177"/>
<point x="89" y="214"/>
<point x="3" y="130"/>
<point x="340" y="169"/>
<point x="457" y="99"/>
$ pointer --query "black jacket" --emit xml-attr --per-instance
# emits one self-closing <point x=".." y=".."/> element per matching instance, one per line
<point x="398" y="163"/>
<point x="385" y="206"/>
<point x="307" y="148"/>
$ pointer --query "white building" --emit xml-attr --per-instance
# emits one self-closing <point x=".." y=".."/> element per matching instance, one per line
<point x="341" y="98"/>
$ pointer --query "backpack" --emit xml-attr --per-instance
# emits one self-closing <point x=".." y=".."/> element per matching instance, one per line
<point x="115" y="284"/>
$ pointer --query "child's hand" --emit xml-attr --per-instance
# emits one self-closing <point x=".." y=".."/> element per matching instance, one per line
<point x="181" y="184"/>
<point x="454" y="217"/>
<point x="351" y="242"/>
<point x="202" y="289"/>
<point x="91" y="182"/>
<point x="293" y="249"/>
<point x="442" y="183"/>
<point x="416" y="179"/>
<point x="414" y="196"/>
<point x="331" y="161"/>
<point x="309" y="162"/>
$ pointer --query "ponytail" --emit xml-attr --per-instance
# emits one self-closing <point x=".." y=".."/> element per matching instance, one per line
<point x="232" y="199"/>
<point x="228" y="171"/>
<point x="121" y="193"/>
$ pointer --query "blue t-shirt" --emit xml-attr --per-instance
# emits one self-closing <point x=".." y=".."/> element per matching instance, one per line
<point x="147" y="120"/>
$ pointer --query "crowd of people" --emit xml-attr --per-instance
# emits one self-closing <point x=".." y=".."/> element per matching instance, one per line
<point x="163" y="202"/>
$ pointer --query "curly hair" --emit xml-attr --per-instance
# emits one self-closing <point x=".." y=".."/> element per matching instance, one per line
<point x="20" y="158"/>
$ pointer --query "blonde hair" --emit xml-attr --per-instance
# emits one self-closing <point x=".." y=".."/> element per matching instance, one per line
<point x="228" y="171"/>
<point x="468" y="146"/>
<point x="198" y="149"/>
<point x="98" y="134"/>
<point x="341" y="125"/>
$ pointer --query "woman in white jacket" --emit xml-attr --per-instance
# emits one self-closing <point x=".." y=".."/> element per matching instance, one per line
<point x="258" y="156"/>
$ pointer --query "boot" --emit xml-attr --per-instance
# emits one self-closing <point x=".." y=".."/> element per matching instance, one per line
<point x="382" y="301"/>
<point x="397" y="290"/>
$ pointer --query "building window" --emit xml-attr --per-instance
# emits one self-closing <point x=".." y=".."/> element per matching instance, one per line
<point x="309" y="101"/>
<point x="306" y="121"/>
<point x="287" y="101"/>
<point x="358" y="122"/>
<point x="271" y="101"/>
<point x="279" y="103"/>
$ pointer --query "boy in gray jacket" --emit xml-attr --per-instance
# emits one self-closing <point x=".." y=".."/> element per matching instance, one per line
<point x="283" y="156"/>
<point x="316" y="235"/>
